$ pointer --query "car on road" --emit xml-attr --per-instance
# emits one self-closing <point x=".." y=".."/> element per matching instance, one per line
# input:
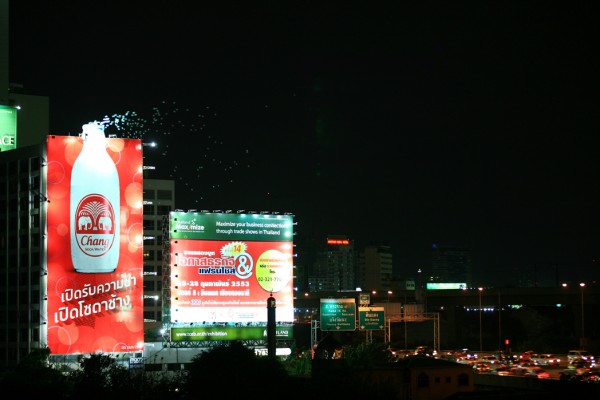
<point x="545" y="359"/>
<point x="591" y="377"/>
<point x="490" y="359"/>
<point x="575" y="355"/>
<point x="481" y="367"/>
<point x="526" y="355"/>
<point x="425" y="351"/>
<point x="530" y="372"/>
<point x="501" y="370"/>
<point x="537" y="372"/>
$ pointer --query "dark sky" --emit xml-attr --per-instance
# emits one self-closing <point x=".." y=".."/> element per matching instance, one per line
<point x="469" y="123"/>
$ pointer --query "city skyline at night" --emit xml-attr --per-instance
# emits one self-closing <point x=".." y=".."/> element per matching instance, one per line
<point x="471" y="125"/>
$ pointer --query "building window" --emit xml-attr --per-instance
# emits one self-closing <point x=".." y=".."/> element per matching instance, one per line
<point x="149" y="302"/>
<point x="423" y="380"/>
<point x="163" y="210"/>
<point x="148" y="209"/>
<point x="148" y="255"/>
<point x="463" y="380"/>
<point x="163" y="194"/>
<point x="149" y="224"/>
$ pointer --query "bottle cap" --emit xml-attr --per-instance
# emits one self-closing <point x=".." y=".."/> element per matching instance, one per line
<point x="92" y="130"/>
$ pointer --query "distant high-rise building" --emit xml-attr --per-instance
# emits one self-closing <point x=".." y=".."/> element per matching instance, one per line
<point x="374" y="268"/>
<point x="159" y="200"/>
<point x="23" y="263"/>
<point x="334" y="268"/>
<point x="450" y="263"/>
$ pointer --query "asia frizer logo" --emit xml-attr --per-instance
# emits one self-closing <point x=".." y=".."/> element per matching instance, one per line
<point x="95" y="225"/>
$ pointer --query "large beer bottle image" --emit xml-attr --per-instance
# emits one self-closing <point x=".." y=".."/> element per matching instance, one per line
<point x="94" y="205"/>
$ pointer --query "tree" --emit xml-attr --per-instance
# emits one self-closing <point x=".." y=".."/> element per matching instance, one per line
<point x="34" y="376"/>
<point x="232" y="370"/>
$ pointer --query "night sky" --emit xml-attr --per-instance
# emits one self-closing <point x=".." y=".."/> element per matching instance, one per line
<point x="466" y="123"/>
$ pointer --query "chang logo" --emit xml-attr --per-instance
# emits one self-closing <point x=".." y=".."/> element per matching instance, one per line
<point x="95" y="225"/>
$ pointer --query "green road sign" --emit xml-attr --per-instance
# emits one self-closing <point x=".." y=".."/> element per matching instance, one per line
<point x="371" y="318"/>
<point x="338" y="314"/>
<point x="364" y="299"/>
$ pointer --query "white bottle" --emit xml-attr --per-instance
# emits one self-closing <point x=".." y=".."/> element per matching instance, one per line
<point x="95" y="206"/>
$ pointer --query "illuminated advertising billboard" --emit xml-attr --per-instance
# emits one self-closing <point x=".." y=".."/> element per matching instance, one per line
<point x="225" y="266"/>
<point x="94" y="243"/>
<point x="446" y="285"/>
<point x="210" y="333"/>
<point x="8" y="128"/>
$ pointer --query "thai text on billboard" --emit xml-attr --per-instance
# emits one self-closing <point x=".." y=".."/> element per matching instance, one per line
<point x="228" y="265"/>
<point x="91" y="311"/>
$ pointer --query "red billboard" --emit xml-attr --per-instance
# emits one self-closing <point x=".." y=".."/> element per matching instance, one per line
<point x="229" y="281"/>
<point x="94" y="243"/>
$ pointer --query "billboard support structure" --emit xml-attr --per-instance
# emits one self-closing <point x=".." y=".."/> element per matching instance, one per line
<point x="166" y="276"/>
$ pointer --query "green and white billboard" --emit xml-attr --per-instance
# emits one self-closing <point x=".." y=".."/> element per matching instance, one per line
<point x="210" y="333"/>
<point x="223" y="226"/>
<point x="8" y="128"/>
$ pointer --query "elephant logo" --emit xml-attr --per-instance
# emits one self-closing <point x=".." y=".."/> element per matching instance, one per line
<point x="104" y="223"/>
<point x="84" y="223"/>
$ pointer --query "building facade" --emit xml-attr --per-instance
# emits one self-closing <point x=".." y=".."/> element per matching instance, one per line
<point x="335" y="266"/>
<point x="22" y="253"/>
<point x="159" y="200"/>
<point x="374" y="268"/>
<point x="450" y="264"/>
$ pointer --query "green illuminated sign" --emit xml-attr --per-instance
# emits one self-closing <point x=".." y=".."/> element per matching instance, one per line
<point x="8" y="128"/>
<point x="445" y="286"/>
<point x="338" y="314"/>
<point x="222" y="226"/>
<point x="371" y="318"/>
<point x="209" y="333"/>
<point x="364" y="299"/>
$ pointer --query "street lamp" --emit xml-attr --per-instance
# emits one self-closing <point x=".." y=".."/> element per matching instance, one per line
<point x="480" y="330"/>
<point x="581" y="286"/>
<point x="499" y="321"/>
<point x="389" y="294"/>
<point x="582" y="339"/>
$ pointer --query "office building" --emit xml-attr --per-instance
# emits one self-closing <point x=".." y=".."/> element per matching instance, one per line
<point x="335" y="266"/>
<point x="374" y="270"/>
<point x="450" y="264"/>
<point x="159" y="200"/>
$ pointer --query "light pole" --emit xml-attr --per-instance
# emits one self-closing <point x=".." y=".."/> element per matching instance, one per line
<point x="404" y="315"/>
<point x="581" y="286"/>
<point x="389" y="294"/>
<point x="499" y="321"/>
<point x="582" y="338"/>
<point x="480" y="330"/>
